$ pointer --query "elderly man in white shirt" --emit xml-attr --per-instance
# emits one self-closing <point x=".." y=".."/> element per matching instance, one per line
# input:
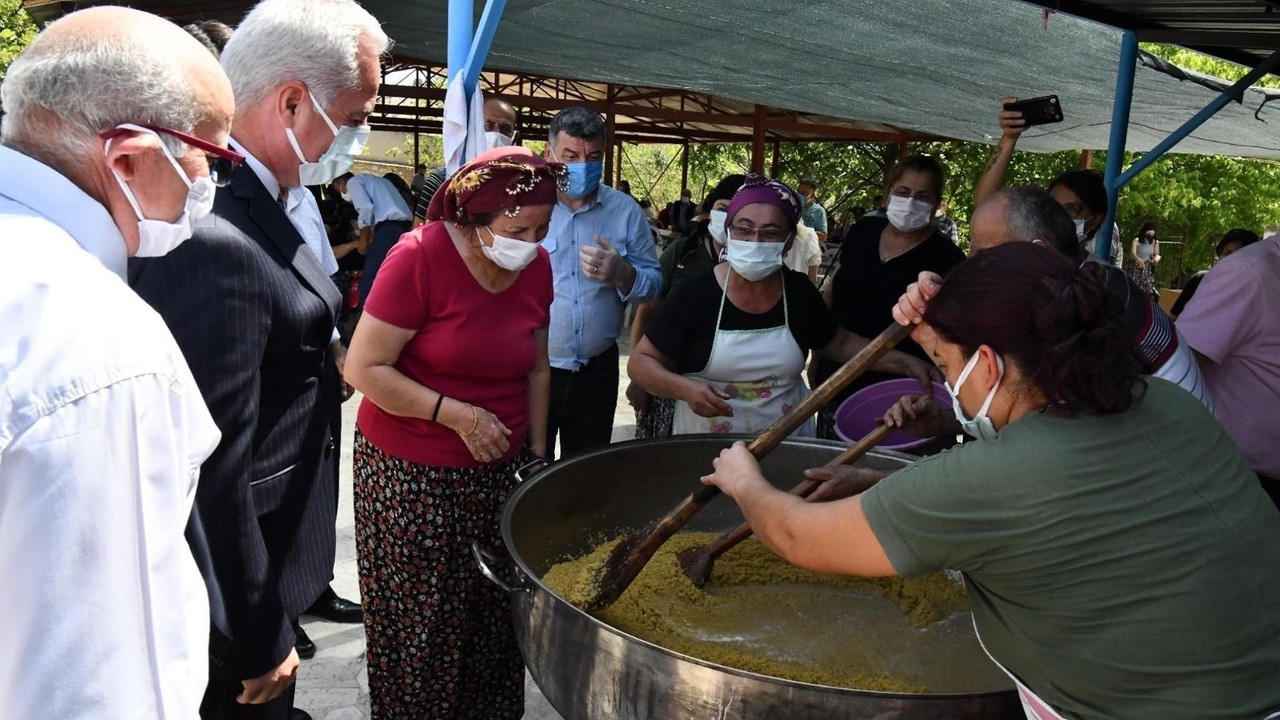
<point x="382" y="218"/>
<point x="114" y="135"/>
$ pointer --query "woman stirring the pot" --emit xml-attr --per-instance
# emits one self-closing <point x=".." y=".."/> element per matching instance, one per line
<point x="452" y="359"/>
<point x="730" y="345"/>
<point x="1113" y="579"/>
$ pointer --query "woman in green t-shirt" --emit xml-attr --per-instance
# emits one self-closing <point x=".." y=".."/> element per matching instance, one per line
<point x="1120" y="557"/>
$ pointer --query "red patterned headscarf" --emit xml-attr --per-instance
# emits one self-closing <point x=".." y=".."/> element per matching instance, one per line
<point x="500" y="180"/>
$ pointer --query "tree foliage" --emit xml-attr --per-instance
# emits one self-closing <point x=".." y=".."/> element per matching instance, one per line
<point x="17" y="30"/>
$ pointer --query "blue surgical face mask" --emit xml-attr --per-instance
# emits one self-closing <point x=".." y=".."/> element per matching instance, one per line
<point x="584" y="178"/>
<point x="979" y="426"/>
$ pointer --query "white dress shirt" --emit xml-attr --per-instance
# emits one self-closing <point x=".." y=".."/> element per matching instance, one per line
<point x="102" y="434"/>
<point x="303" y="212"/>
<point x="376" y="200"/>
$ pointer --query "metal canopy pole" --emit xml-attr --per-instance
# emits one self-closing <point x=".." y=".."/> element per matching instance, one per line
<point x="479" y="46"/>
<point x="1115" y="179"/>
<point x="460" y="29"/>
<point x="1119" y="137"/>
<point x="1233" y="93"/>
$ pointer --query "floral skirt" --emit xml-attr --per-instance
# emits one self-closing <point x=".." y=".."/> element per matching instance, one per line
<point x="656" y="420"/>
<point x="1144" y="278"/>
<point x="440" y="643"/>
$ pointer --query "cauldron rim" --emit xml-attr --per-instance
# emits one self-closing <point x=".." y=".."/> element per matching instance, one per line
<point x="529" y="575"/>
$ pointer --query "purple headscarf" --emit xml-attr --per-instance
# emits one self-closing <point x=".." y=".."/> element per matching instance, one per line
<point x="760" y="189"/>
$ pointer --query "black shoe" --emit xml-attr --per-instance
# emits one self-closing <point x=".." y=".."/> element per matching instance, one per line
<point x="335" y="609"/>
<point x="296" y="714"/>
<point x="302" y="643"/>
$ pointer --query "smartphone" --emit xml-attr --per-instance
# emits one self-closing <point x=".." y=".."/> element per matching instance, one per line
<point x="1038" y="111"/>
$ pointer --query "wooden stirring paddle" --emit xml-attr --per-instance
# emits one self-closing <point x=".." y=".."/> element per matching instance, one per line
<point x="697" y="561"/>
<point x="634" y="552"/>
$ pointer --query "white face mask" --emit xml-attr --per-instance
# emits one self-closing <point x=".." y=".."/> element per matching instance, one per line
<point x="348" y="143"/>
<point x="346" y="197"/>
<point x="509" y="253"/>
<point x="979" y="425"/>
<point x="157" y="237"/>
<point x="494" y="139"/>
<point x="908" y="214"/>
<point x="1080" y="231"/>
<point x="715" y="226"/>
<point x="754" y="261"/>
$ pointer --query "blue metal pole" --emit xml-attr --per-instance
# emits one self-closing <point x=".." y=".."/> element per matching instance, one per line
<point x="1119" y="137"/>
<point x="461" y="14"/>
<point x="479" y="50"/>
<point x="1235" y="92"/>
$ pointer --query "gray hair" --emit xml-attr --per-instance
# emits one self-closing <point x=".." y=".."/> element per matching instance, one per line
<point x="1033" y="214"/>
<point x="577" y="122"/>
<point x="59" y="95"/>
<point x="314" y="42"/>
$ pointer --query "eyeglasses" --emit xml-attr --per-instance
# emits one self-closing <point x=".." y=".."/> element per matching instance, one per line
<point x="924" y="196"/>
<point x="222" y="162"/>
<point x="1073" y="209"/>
<point x="764" y="234"/>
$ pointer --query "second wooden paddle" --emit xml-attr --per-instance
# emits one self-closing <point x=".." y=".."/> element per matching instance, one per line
<point x="697" y="561"/>
<point x="634" y="552"/>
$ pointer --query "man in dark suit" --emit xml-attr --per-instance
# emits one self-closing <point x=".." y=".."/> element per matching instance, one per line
<point x="254" y="314"/>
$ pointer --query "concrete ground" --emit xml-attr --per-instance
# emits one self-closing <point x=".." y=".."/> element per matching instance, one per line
<point x="334" y="685"/>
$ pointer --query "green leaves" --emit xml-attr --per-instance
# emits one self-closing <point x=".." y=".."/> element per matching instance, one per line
<point x="17" y="30"/>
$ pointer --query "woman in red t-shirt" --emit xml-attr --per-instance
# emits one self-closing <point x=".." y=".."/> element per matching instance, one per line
<point x="451" y="355"/>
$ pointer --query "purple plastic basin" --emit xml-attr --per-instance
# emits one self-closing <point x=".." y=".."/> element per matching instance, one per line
<point x="857" y="415"/>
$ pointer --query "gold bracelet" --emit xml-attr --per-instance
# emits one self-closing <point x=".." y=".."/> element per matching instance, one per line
<point x="475" y="421"/>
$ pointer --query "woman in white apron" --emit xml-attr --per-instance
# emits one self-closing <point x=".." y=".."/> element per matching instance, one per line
<point x="731" y="346"/>
<point x="1113" y="574"/>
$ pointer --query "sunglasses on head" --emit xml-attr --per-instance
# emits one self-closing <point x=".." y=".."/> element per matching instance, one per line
<point x="222" y="162"/>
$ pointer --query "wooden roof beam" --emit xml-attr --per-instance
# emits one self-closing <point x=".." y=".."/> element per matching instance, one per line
<point x="660" y="113"/>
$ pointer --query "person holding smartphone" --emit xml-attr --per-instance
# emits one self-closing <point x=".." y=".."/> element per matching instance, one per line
<point x="1080" y="192"/>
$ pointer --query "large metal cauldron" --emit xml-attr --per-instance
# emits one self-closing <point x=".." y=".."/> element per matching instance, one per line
<point x="590" y="671"/>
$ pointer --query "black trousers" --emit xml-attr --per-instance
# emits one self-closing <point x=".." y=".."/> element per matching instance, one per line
<point x="582" y="405"/>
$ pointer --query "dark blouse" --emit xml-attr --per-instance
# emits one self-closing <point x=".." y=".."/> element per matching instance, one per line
<point x="685" y="327"/>
<point x="865" y="290"/>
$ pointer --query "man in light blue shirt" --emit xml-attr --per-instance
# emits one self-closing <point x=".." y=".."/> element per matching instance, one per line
<point x="602" y="258"/>
<point x="383" y="216"/>
<point x="813" y="214"/>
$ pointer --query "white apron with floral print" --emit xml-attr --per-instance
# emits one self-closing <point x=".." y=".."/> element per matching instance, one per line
<point x="760" y="370"/>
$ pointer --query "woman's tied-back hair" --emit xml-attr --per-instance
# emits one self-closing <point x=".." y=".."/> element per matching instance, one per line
<point x="1052" y="319"/>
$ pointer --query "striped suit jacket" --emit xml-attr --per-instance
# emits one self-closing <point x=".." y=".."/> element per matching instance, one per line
<point x="254" y="314"/>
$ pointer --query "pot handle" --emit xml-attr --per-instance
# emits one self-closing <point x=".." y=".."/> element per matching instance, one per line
<point x="539" y="463"/>
<point x="486" y="560"/>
